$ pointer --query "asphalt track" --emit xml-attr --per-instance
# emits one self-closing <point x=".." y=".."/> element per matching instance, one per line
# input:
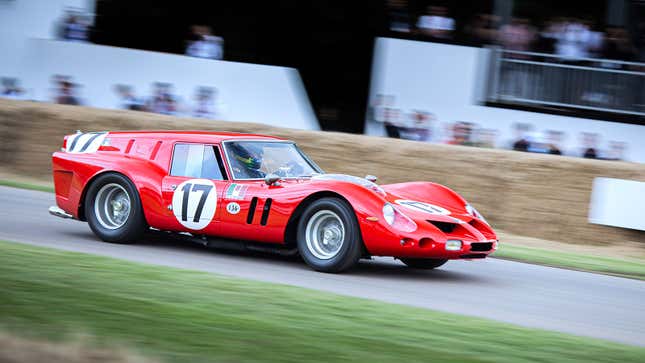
<point x="574" y="302"/>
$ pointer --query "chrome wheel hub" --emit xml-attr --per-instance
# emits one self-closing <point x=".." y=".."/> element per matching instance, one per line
<point x="325" y="234"/>
<point x="112" y="206"/>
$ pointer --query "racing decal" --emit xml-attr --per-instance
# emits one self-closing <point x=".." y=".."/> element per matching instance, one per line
<point x="423" y="207"/>
<point x="194" y="203"/>
<point x="233" y="208"/>
<point x="236" y="191"/>
<point x="85" y="142"/>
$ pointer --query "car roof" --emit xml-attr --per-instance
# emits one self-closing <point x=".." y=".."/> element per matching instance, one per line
<point x="194" y="135"/>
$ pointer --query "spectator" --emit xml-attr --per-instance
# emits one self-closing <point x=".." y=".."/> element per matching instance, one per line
<point x="462" y="134"/>
<point x="554" y="138"/>
<point x="617" y="150"/>
<point x="75" y="28"/>
<point x="486" y="138"/>
<point x="383" y="111"/>
<point x="574" y="40"/>
<point x="163" y="101"/>
<point x="205" y="103"/>
<point x="203" y="44"/>
<point x="399" y="16"/>
<point x="517" y="36"/>
<point x="128" y="99"/>
<point x="65" y="91"/>
<point x="419" y="126"/>
<point x="589" y="142"/>
<point x="10" y="89"/>
<point x="522" y="142"/>
<point x="436" y="24"/>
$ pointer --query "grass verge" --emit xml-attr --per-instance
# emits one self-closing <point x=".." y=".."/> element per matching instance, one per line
<point x="612" y="266"/>
<point x="187" y="316"/>
<point x="29" y="186"/>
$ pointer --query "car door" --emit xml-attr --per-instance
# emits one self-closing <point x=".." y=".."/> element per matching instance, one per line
<point x="193" y="189"/>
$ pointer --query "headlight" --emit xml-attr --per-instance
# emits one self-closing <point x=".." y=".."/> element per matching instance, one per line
<point x="453" y="245"/>
<point x="473" y="212"/>
<point x="397" y="219"/>
<point x="388" y="213"/>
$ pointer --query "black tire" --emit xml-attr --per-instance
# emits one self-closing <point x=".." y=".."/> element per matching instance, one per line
<point x="351" y="249"/>
<point x="135" y="224"/>
<point x="423" y="263"/>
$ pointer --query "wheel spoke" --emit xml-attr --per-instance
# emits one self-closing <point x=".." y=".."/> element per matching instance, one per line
<point x="112" y="206"/>
<point x="325" y="234"/>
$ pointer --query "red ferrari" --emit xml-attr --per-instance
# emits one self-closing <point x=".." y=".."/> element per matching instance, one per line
<point x="258" y="190"/>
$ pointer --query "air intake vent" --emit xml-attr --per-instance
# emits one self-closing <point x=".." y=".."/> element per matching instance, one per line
<point x="445" y="227"/>
<point x="481" y="246"/>
<point x="265" y="211"/>
<point x="249" y="217"/>
<point x="473" y="255"/>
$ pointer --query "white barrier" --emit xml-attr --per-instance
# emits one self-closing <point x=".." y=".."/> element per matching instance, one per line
<point x="618" y="203"/>
<point x="447" y="81"/>
<point x="246" y="92"/>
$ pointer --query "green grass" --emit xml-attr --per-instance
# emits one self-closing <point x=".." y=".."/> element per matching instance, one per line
<point x="21" y="185"/>
<point x="188" y="316"/>
<point x="613" y="266"/>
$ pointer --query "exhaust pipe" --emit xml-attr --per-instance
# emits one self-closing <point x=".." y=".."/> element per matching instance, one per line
<point x="55" y="211"/>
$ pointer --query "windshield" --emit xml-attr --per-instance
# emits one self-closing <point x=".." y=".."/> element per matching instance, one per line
<point x="256" y="159"/>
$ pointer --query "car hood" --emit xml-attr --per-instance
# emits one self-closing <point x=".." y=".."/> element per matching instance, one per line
<point x="419" y="200"/>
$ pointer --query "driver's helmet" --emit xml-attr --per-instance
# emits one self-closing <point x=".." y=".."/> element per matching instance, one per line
<point x="248" y="155"/>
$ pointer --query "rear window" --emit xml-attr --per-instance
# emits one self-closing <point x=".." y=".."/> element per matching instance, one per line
<point x="197" y="161"/>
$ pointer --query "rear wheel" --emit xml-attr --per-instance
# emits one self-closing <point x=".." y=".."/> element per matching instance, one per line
<point x="329" y="238"/>
<point x="113" y="209"/>
<point x="423" y="263"/>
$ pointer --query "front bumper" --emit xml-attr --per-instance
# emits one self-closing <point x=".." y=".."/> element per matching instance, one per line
<point x="382" y="240"/>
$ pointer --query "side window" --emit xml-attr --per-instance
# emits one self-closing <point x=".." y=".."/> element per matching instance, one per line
<point x="197" y="161"/>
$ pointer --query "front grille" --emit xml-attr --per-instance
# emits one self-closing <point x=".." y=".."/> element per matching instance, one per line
<point x="445" y="227"/>
<point x="481" y="246"/>
<point x="473" y="255"/>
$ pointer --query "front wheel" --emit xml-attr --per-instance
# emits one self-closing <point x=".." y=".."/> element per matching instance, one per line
<point x="329" y="238"/>
<point x="113" y="209"/>
<point x="423" y="263"/>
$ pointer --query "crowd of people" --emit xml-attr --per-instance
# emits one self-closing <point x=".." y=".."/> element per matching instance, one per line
<point x="570" y="38"/>
<point x="419" y="125"/>
<point x="162" y="100"/>
<point x="76" y="26"/>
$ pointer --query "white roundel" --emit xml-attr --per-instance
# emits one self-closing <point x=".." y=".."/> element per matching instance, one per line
<point x="194" y="203"/>
<point x="233" y="208"/>
<point x="423" y="207"/>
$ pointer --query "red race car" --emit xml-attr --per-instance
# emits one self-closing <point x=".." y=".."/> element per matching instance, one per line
<point x="262" y="190"/>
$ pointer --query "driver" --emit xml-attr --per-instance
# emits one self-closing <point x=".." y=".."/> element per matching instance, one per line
<point x="247" y="160"/>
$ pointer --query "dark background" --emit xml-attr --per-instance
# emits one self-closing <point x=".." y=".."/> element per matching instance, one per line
<point x="329" y="41"/>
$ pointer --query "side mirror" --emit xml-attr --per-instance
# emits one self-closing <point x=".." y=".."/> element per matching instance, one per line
<point x="371" y="178"/>
<point x="272" y="179"/>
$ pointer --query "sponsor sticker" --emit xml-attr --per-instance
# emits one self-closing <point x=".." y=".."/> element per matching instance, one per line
<point x="236" y="191"/>
<point x="423" y="207"/>
<point x="233" y="208"/>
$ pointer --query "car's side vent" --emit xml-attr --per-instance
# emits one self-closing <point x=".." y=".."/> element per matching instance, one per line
<point x="265" y="211"/>
<point x="445" y="227"/>
<point x="254" y="203"/>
